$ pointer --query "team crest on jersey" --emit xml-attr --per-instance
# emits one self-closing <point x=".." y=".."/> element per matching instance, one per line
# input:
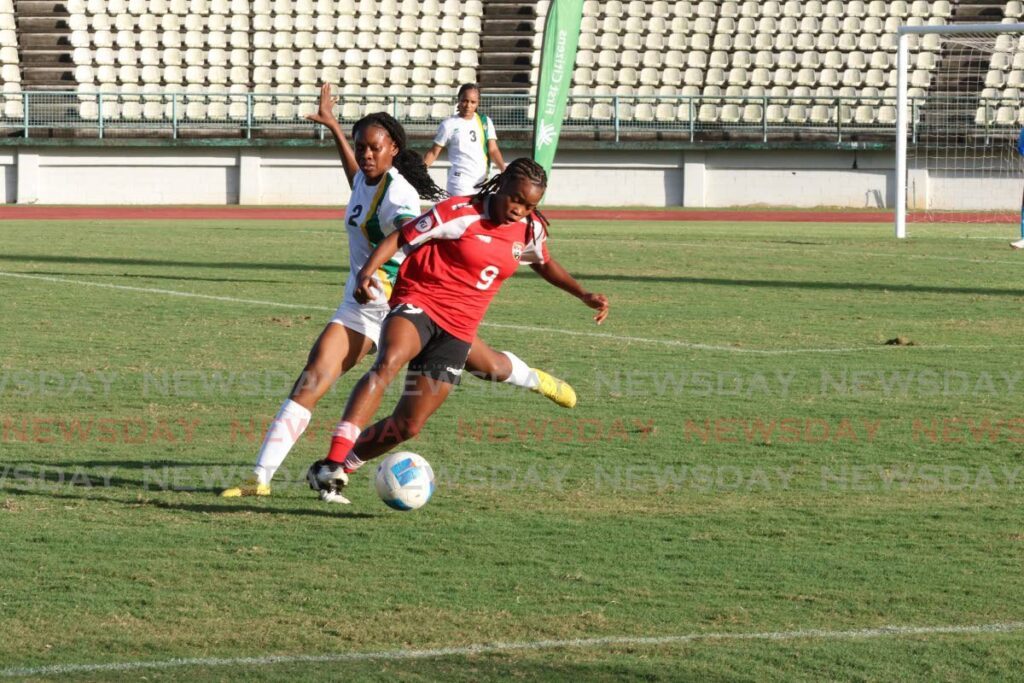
<point x="424" y="224"/>
<point x="517" y="250"/>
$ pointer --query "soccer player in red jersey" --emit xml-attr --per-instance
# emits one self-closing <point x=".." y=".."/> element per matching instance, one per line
<point x="459" y="253"/>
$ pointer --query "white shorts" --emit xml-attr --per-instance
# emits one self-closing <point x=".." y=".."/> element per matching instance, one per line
<point x="461" y="184"/>
<point x="366" y="319"/>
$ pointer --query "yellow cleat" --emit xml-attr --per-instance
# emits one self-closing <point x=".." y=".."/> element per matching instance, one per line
<point x="557" y="390"/>
<point x="250" y="487"/>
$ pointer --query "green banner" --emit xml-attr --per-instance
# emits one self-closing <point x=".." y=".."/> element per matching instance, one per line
<point x="558" y="59"/>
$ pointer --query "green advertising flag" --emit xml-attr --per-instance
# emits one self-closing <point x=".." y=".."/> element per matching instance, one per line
<point x="558" y="59"/>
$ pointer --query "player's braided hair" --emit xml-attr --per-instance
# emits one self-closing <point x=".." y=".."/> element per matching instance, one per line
<point x="408" y="162"/>
<point x="523" y="167"/>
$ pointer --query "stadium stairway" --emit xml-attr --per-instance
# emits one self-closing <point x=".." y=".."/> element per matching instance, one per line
<point x="506" y="47"/>
<point x="957" y="73"/>
<point x="45" y="42"/>
<point x="977" y="11"/>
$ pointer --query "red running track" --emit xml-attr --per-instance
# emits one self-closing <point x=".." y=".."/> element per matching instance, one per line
<point x="15" y="212"/>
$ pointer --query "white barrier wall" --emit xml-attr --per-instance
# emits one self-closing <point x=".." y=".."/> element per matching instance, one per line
<point x="8" y="178"/>
<point x="249" y="175"/>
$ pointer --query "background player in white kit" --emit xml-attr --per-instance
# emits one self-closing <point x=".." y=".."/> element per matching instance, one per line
<point x="472" y="144"/>
<point x="388" y="180"/>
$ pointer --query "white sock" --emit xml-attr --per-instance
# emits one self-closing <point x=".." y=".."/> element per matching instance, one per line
<point x="522" y="375"/>
<point x="289" y="424"/>
<point x="352" y="463"/>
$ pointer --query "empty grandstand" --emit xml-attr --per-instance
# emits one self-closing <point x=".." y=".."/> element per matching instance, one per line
<point x="688" y="73"/>
<point x="690" y="68"/>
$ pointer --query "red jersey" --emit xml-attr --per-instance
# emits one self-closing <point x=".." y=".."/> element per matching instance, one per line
<point x="457" y="259"/>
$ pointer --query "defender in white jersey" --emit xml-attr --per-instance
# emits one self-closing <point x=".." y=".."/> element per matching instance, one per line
<point x="374" y="211"/>
<point x="472" y="144"/>
<point x="387" y="179"/>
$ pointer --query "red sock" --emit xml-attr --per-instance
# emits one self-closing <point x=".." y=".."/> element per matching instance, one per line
<point x="344" y="437"/>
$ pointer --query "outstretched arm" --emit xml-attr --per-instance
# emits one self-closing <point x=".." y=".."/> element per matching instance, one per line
<point x="325" y="117"/>
<point x="431" y="156"/>
<point x="552" y="271"/>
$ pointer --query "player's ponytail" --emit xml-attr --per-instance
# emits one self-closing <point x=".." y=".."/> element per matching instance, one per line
<point x="411" y="166"/>
<point x="409" y="163"/>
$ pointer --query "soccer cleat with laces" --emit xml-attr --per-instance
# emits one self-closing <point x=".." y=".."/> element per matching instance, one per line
<point x="328" y="479"/>
<point x="557" y="390"/>
<point x="249" y="487"/>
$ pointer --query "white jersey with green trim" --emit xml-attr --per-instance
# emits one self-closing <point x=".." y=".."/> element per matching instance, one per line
<point x="373" y="213"/>
<point x="466" y="140"/>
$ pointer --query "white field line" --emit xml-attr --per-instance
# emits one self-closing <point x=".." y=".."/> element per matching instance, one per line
<point x="527" y="646"/>
<point x="523" y="328"/>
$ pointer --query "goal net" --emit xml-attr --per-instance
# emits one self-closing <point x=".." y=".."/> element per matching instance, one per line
<point x="959" y="116"/>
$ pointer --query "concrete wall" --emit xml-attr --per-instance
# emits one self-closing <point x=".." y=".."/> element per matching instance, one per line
<point x="308" y="175"/>
<point x="8" y="178"/>
<point x="795" y="178"/>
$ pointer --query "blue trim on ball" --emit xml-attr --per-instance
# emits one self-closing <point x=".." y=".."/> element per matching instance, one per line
<point x="397" y="505"/>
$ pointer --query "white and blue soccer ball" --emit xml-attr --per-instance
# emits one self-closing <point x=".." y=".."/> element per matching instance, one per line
<point x="404" y="481"/>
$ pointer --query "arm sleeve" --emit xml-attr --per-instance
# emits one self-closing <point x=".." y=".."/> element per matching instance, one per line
<point x="491" y="134"/>
<point x="431" y="226"/>
<point x="398" y="208"/>
<point x="444" y="133"/>
<point x="536" y="252"/>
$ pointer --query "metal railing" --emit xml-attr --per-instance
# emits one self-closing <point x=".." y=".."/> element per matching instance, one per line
<point x="175" y="113"/>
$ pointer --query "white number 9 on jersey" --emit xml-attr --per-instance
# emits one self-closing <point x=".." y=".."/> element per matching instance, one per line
<point x="487" y="276"/>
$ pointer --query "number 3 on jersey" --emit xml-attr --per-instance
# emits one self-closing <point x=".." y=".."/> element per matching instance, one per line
<point x="487" y="276"/>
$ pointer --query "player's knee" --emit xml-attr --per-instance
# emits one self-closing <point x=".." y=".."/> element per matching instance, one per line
<point x="489" y="366"/>
<point x="408" y="426"/>
<point x="387" y="368"/>
<point x="315" y="379"/>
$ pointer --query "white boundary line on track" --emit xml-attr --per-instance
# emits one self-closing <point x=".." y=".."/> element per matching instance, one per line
<point x="527" y="646"/>
<point x="524" y="328"/>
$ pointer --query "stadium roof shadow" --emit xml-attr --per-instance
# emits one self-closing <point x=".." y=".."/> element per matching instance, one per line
<point x="173" y="278"/>
<point x="119" y="261"/>
<point x="680" y="279"/>
<point x="808" y="284"/>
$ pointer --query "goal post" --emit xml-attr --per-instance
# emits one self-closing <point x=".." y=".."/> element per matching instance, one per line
<point x="959" y="112"/>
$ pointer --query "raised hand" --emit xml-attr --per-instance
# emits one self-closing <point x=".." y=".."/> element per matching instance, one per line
<point x="325" y="113"/>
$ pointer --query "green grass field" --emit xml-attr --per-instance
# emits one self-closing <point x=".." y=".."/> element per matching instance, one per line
<point x="748" y="458"/>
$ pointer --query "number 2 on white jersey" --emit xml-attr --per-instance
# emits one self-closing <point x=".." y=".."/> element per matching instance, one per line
<point x="487" y="276"/>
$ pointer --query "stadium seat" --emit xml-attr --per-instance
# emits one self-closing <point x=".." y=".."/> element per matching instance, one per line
<point x="828" y="77"/>
<point x="738" y="76"/>
<point x="796" y="114"/>
<point x="708" y="113"/>
<point x="806" y="77"/>
<point x="752" y="113"/>
<point x="864" y="114"/>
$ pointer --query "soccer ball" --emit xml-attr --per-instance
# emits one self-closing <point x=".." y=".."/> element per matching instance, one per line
<point x="404" y="481"/>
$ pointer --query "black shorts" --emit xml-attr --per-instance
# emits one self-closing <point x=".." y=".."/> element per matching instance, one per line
<point x="443" y="356"/>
